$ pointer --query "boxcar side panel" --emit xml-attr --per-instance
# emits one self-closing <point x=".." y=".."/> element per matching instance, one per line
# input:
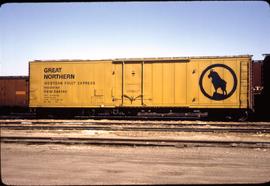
<point x="219" y="83"/>
<point x="192" y="83"/>
<point x="132" y="86"/>
<point x="117" y="84"/>
<point x="14" y="91"/>
<point x="214" y="82"/>
<point x="165" y="84"/>
<point x="71" y="84"/>
<point x="180" y="82"/>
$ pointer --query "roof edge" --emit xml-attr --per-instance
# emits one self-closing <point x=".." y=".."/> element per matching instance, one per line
<point x="147" y="58"/>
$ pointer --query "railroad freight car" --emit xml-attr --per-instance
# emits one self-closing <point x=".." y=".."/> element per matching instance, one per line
<point x="13" y="94"/>
<point x="180" y="86"/>
<point x="262" y="99"/>
<point x="257" y="80"/>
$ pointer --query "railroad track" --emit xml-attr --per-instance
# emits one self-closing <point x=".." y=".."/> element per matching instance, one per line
<point x="139" y="117"/>
<point x="128" y="122"/>
<point x="45" y="123"/>
<point x="134" y="142"/>
<point x="140" y="126"/>
<point x="33" y="116"/>
<point x="158" y="126"/>
<point x="161" y="129"/>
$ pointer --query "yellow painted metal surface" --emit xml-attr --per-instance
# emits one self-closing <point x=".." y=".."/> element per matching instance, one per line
<point x="70" y="84"/>
<point x="165" y="84"/>
<point x="202" y="82"/>
<point x="117" y="84"/>
<point x="132" y="86"/>
<point x="217" y="83"/>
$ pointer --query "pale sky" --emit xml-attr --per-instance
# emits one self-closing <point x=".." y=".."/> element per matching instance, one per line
<point x="40" y="31"/>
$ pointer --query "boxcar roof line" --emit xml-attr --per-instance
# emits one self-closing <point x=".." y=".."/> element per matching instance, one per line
<point x="145" y="59"/>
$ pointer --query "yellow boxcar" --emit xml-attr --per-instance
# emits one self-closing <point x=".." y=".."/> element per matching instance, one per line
<point x="184" y="82"/>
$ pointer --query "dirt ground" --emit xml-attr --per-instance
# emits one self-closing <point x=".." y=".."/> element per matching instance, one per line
<point x="98" y="165"/>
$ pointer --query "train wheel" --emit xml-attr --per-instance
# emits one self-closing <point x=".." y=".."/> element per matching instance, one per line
<point x="238" y="116"/>
<point x="243" y="116"/>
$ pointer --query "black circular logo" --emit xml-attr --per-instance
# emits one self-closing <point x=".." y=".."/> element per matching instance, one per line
<point x="220" y="84"/>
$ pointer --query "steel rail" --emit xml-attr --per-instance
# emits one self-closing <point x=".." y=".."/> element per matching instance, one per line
<point x="29" y="116"/>
<point x="139" y="117"/>
<point x="229" y="124"/>
<point x="134" y="142"/>
<point x="139" y="128"/>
